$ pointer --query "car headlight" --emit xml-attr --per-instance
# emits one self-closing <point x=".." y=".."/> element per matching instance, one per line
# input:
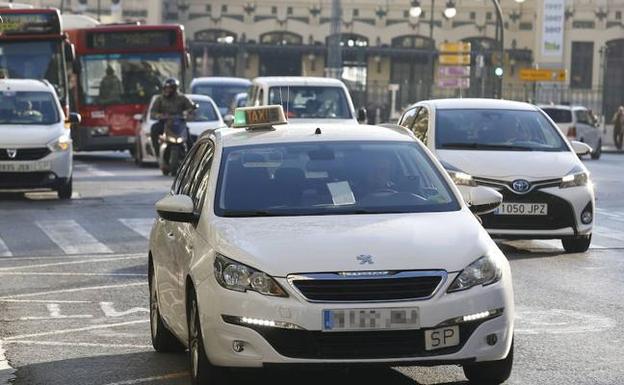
<point x="484" y="271"/>
<point x="461" y="178"/>
<point x="575" y="180"/>
<point x="238" y="277"/>
<point x="62" y="143"/>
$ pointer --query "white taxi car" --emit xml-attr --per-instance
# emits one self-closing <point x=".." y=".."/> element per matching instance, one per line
<point x="518" y="150"/>
<point x="205" y="117"/>
<point x="35" y="145"/>
<point x="286" y="245"/>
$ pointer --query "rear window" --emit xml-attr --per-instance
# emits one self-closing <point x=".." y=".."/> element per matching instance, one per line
<point x="309" y="102"/>
<point x="559" y="115"/>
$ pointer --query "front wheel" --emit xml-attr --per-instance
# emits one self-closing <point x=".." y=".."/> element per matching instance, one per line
<point x="65" y="191"/>
<point x="162" y="339"/>
<point x="490" y="372"/>
<point x="578" y="244"/>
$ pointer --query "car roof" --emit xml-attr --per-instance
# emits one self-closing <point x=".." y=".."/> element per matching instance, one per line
<point x="304" y="132"/>
<point x="221" y="80"/>
<point x="298" y="81"/>
<point x="480" y="103"/>
<point x="562" y="107"/>
<point x="24" y="85"/>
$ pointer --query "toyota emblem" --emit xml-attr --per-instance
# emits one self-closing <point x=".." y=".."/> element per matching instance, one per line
<point x="521" y="186"/>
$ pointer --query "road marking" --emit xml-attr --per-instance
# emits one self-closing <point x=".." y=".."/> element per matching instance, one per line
<point x="109" y="310"/>
<point x="71" y="237"/>
<point x="4" y="250"/>
<point x="78" y="289"/>
<point x="66" y="331"/>
<point x="97" y="172"/>
<point x="6" y="371"/>
<point x="143" y="226"/>
<point x="150" y="379"/>
<point x="534" y="321"/>
<point x="40" y="301"/>
<point x="73" y="256"/>
<point x="609" y="233"/>
<point x="29" y="273"/>
<point x="2" y="269"/>
<point x="84" y="344"/>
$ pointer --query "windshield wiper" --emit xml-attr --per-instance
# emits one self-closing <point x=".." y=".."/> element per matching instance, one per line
<point x="474" y="145"/>
<point x="249" y="213"/>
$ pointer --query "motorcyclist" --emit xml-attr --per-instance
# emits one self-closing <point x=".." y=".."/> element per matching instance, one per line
<point x="170" y="104"/>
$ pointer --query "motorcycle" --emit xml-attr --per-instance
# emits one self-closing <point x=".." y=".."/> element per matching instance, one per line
<point x="174" y="144"/>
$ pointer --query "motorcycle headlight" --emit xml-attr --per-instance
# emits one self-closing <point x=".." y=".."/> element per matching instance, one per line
<point x="238" y="277"/>
<point x="575" y="180"/>
<point x="461" y="178"/>
<point x="62" y="143"/>
<point x="484" y="271"/>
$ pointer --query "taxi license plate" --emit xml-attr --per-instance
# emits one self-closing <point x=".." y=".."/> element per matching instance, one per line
<point x="522" y="209"/>
<point x="371" y="319"/>
<point x="441" y="338"/>
<point x="25" y="166"/>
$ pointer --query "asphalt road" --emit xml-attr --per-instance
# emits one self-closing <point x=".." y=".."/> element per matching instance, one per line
<point x="74" y="300"/>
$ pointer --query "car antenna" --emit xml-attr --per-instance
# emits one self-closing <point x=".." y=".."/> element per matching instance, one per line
<point x="318" y="131"/>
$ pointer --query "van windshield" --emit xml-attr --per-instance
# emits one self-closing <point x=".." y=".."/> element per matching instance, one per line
<point x="28" y="108"/>
<point x="308" y="102"/>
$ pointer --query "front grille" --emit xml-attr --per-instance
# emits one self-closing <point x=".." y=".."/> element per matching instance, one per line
<point x="16" y="180"/>
<point x="560" y="213"/>
<point x="25" y="153"/>
<point x="357" y="345"/>
<point x="391" y="287"/>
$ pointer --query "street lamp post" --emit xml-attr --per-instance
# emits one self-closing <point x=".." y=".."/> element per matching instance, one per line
<point x="500" y="31"/>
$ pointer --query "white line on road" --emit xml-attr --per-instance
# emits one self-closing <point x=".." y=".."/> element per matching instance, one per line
<point x="6" y="371"/>
<point x="78" y="289"/>
<point x="74" y="256"/>
<point x="8" y="300"/>
<point x="92" y="171"/>
<point x="30" y="273"/>
<point x="109" y="310"/>
<point x="71" y="237"/>
<point x="85" y="344"/>
<point x="65" y="331"/>
<point x="4" y="250"/>
<point x="142" y="226"/>
<point x="2" y="269"/>
<point x="150" y="379"/>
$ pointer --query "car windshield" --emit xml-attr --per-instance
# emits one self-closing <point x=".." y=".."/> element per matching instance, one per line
<point x="559" y="115"/>
<point x="496" y="130"/>
<point x="38" y="108"/>
<point x="330" y="178"/>
<point x="204" y="113"/>
<point x="34" y="60"/>
<point x="308" y="102"/>
<point x="222" y="94"/>
<point x="126" y="78"/>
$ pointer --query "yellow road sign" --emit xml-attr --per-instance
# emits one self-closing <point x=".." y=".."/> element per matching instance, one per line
<point x="543" y="75"/>
<point x="455" y="60"/>
<point x="455" y="47"/>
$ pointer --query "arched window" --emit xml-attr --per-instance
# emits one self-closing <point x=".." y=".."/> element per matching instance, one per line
<point x="216" y="36"/>
<point x="281" y="38"/>
<point x="413" y="41"/>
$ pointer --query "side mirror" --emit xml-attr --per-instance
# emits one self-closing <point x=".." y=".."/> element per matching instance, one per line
<point x="74" y="118"/>
<point x="483" y="200"/>
<point x="177" y="208"/>
<point x="361" y="115"/>
<point x="228" y="120"/>
<point x="580" y="148"/>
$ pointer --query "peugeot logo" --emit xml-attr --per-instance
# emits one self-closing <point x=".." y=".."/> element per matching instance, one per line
<point x="521" y="186"/>
<point x="11" y="153"/>
<point x="365" y="259"/>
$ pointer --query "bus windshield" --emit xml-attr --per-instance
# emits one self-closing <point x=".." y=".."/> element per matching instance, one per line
<point x="132" y="78"/>
<point x="34" y="60"/>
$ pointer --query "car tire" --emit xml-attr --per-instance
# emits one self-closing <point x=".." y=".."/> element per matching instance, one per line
<point x="596" y="154"/>
<point x="202" y="371"/>
<point x="490" y="372"/>
<point x="578" y="244"/>
<point x="163" y="340"/>
<point x="66" y="190"/>
<point x="138" y="153"/>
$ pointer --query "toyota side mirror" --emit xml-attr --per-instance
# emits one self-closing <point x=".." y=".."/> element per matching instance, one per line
<point x="361" y="115"/>
<point x="482" y="200"/>
<point x="228" y="120"/>
<point x="177" y="208"/>
<point x="580" y="148"/>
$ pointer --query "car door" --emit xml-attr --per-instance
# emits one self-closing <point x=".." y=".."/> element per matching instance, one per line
<point x="165" y="251"/>
<point x="586" y="130"/>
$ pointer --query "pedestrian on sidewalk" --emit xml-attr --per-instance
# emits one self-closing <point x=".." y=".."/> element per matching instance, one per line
<point x="618" y="127"/>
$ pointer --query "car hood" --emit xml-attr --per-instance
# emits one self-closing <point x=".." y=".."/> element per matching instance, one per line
<point x="530" y="165"/>
<point x="198" y="128"/>
<point x="27" y="136"/>
<point x="324" y="122"/>
<point x="285" y="245"/>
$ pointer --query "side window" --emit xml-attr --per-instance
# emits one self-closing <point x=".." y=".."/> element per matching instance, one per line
<point x="408" y="118"/>
<point x="175" y="188"/>
<point x="202" y="179"/>
<point x="252" y="96"/>
<point x="582" y="117"/>
<point x="260" y="101"/>
<point x="421" y="124"/>
<point x="187" y="180"/>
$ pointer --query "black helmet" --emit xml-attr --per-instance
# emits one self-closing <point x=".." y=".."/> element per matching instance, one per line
<point x="171" y="82"/>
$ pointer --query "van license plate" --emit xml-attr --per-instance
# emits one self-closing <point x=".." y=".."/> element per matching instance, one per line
<point x="522" y="209"/>
<point x="24" y="166"/>
<point x="371" y="319"/>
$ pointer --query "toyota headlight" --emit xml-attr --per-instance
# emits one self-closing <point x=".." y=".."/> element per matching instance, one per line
<point x="238" y="277"/>
<point x="484" y="271"/>
<point x="62" y="143"/>
<point x="575" y="180"/>
<point x="461" y="178"/>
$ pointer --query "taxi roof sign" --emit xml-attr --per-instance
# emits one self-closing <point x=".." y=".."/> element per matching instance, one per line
<point x="259" y="117"/>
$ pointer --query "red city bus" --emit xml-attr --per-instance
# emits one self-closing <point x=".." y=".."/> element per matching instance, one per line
<point x="33" y="46"/>
<point x="118" y="68"/>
